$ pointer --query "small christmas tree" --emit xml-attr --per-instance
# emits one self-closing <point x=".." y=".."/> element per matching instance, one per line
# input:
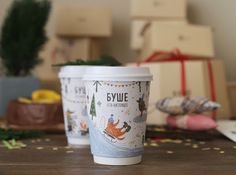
<point x="93" y="108"/>
<point x="23" y="36"/>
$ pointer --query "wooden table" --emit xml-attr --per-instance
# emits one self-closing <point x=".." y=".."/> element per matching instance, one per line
<point x="188" y="157"/>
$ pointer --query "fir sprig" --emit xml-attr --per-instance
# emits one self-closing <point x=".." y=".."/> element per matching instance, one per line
<point x="104" y="60"/>
<point x="8" y="134"/>
<point x="23" y="36"/>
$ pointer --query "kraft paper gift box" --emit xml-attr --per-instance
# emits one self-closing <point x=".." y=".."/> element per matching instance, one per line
<point x="79" y="48"/>
<point x="231" y="87"/>
<point x="76" y="20"/>
<point x="61" y="50"/>
<point x="45" y="69"/>
<point x="167" y="83"/>
<point x="193" y="40"/>
<point x="158" y="9"/>
<point x="138" y="26"/>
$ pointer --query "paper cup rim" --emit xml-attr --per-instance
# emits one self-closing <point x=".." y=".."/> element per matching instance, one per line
<point x="72" y="71"/>
<point x="115" y="73"/>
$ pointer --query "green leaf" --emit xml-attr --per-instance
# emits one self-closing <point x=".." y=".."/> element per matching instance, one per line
<point x="7" y="144"/>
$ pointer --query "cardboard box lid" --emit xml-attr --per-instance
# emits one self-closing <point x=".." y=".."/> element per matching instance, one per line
<point x="83" y="20"/>
<point x="192" y="40"/>
<point x="156" y="9"/>
<point x="139" y="26"/>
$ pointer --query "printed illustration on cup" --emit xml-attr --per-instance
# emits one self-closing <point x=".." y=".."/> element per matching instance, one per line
<point x="74" y="125"/>
<point x="141" y="105"/>
<point x="117" y="113"/>
<point x="114" y="132"/>
<point x="75" y="108"/>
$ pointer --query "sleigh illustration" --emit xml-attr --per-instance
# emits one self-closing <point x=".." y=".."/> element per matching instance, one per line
<point x="114" y="133"/>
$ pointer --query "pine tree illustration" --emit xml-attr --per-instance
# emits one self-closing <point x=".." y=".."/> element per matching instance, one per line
<point x="66" y="89"/>
<point x="96" y="83"/>
<point x="93" y="108"/>
<point x="139" y="85"/>
<point x="147" y="84"/>
<point x="143" y="139"/>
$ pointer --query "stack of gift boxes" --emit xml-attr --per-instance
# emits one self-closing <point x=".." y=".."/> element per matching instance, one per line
<point x="179" y="55"/>
<point x="145" y="13"/>
<point x="78" y="32"/>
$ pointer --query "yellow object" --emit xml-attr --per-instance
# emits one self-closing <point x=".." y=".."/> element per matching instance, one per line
<point x="24" y="100"/>
<point x="41" y="96"/>
<point x="45" y="96"/>
<point x="45" y="101"/>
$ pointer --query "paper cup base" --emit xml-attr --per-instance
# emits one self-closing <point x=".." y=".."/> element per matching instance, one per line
<point x="78" y="142"/>
<point x="117" y="161"/>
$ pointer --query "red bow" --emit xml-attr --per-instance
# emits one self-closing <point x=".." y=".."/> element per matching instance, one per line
<point x="177" y="56"/>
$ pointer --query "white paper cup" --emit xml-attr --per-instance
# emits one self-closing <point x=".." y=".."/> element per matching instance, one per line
<point x="117" y="100"/>
<point x="74" y="105"/>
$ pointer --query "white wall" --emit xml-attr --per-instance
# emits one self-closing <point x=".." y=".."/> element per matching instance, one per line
<point x="220" y="14"/>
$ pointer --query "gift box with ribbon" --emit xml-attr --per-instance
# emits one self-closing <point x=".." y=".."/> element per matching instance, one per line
<point x="175" y="74"/>
<point x="193" y="40"/>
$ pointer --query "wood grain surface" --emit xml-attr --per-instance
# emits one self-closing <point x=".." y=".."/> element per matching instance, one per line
<point x="49" y="155"/>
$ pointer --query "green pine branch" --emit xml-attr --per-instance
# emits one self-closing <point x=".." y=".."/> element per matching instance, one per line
<point x="8" y="134"/>
<point x="104" y="60"/>
<point x="23" y="35"/>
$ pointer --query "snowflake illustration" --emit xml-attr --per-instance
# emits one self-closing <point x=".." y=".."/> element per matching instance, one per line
<point x="99" y="103"/>
<point x="127" y="112"/>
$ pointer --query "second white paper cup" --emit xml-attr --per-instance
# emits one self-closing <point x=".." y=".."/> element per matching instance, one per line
<point x="74" y="105"/>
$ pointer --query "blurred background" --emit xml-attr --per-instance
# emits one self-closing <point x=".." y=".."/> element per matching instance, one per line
<point x="216" y="13"/>
<point x="132" y="31"/>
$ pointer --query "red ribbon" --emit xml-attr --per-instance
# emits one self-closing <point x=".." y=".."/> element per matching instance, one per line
<point x="212" y="86"/>
<point x="177" y="56"/>
<point x="173" y="56"/>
